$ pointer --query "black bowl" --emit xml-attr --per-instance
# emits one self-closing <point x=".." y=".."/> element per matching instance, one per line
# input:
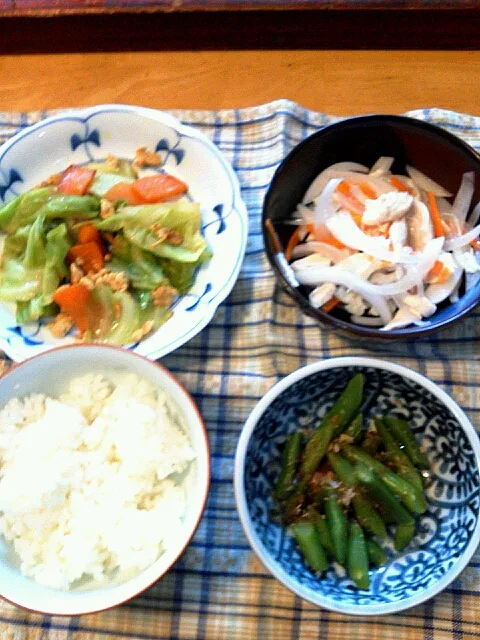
<point x="434" y="151"/>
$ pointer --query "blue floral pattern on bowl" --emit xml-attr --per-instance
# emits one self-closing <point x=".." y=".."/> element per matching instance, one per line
<point x="90" y="135"/>
<point x="443" y="533"/>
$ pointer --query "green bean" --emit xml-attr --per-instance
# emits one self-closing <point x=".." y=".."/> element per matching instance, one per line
<point x="368" y="516"/>
<point x="355" y="428"/>
<point x="402" y="462"/>
<point x="342" y="468"/>
<point x="290" y="459"/>
<point x="314" y="451"/>
<point x="308" y="540"/>
<point x="402" y="432"/>
<point x="332" y="425"/>
<point x="410" y="496"/>
<point x="365" y="510"/>
<point x="376" y="555"/>
<point x="348" y="404"/>
<point x="382" y="495"/>
<point x="324" y="533"/>
<point x="337" y="527"/>
<point x="357" y="560"/>
<point x="403" y="535"/>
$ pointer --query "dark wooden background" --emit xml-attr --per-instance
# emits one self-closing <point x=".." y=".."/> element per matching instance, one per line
<point x="307" y="29"/>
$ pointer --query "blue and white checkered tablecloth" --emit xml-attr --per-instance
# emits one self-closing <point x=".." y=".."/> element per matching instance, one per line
<point x="218" y="590"/>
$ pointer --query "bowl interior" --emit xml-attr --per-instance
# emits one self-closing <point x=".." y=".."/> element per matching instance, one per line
<point x="444" y="532"/>
<point x="49" y="374"/>
<point x="437" y="153"/>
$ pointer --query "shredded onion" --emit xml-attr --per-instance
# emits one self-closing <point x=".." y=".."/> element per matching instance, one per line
<point x="382" y="166"/>
<point x="401" y="319"/>
<point x="314" y="277"/>
<point x="460" y="241"/>
<point x="346" y="231"/>
<point x="414" y="272"/>
<point x="309" y="262"/>
<point x="464" y="196"/>
<point x="439" y="292"/>
<point x="317" y="186"/>
<point x="306" y="213"/>
<point x="426" y="183"/>
<point x="408" y="182"/>
<point x="444" y="206"/>
<point x="322" y="248"/>
<point x="475" y="215"/>
<point x="324" y="207"/>
<point x="379" y="185"/>
<point x="376" y="183"/>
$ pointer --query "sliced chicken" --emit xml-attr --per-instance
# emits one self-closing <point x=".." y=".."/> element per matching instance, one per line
<point x="398" y="234"/>
<point x="466" y="258"/>
<point x="403" y="318"/>
<point x="322" y="294"/>
<point x="419" y="226"/>
<point x="361" y="264"/>
<point x="352" y="301"/>
<point x="419" y="306"/>
<point x="313" y="260"/>
<point x="387" y="208"/>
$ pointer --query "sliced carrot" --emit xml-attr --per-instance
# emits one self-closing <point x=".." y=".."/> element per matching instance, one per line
<point x="123" y="191"/>
<point x="75" y="180"/>
<point x="324" y="235"/>
<point x="350" y="202"/>
<point x="475" y="244"/>
<point x="399" y="185"/>
<point x="344" y="188"/>
<point x="292" y="243"/>
<point x="435" y="215"/>
<point x="331" y="304"/>
<point x="368" y="190"/>
<point x="73" y="299"/>
<point x="88" y="232"/>
<point x="89" y="254"/>
<point x="159" y="187"/>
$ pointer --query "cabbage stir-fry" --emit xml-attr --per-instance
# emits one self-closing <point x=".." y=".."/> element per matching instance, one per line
<point x="100" y="250"/>
<point x="384" y="248"/>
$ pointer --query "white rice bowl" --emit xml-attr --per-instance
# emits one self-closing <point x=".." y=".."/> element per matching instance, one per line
<point x="103" y="478"/>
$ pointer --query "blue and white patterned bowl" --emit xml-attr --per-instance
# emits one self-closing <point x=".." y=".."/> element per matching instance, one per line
<point x="90" y="135"/>
<point x="447" y="534"/>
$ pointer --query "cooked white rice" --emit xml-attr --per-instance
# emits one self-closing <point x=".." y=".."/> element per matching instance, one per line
<point x="91" y="482"/>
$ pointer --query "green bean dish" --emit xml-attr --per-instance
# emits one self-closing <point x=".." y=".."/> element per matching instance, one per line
<point x="345" y="488"/>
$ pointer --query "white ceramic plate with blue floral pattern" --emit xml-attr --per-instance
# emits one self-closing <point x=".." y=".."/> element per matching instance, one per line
<point x="78" y="137"/>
